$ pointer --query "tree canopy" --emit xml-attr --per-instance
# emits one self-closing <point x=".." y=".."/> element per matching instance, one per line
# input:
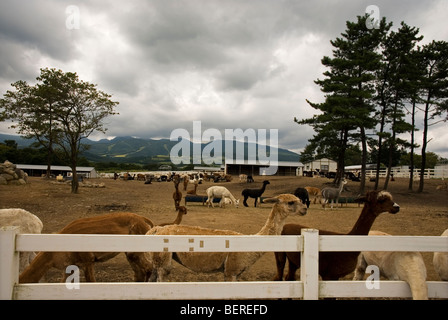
<point x="59" y="111"/>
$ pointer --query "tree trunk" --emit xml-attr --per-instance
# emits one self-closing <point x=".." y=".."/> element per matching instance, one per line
<point x="425" y="142"/>
<point x="74" y="162"/>
<point x="363" y="160"/>
<point x="411" y="160"/>
<point x="341" y="157"/>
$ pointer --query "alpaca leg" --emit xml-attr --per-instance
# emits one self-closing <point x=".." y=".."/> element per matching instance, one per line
<point x="361" y="266"/>
<point x="141" y="266"/>
<point x="244" y="201"/>
<point x="292" y="268"/>
<point x="89" y="273"/>
<point x="255" y="203"/>
<point x="280" y="261"/>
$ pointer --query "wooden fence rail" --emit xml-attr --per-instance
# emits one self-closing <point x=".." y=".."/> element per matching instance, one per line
<point x="309" y="286"/>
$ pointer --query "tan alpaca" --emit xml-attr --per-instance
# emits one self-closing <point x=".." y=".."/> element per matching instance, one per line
<point x="396" y="265"/>
<point x="312" y="191"/>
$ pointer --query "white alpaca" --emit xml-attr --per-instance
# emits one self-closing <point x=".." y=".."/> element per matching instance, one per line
<point x="440" y="261"/>
<point x="220" y="193"/>
<point x="27" y="223"/>
<point x="394" y="265"/>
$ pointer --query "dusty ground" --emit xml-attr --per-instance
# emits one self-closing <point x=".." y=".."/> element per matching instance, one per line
<point x="420" y="214"/>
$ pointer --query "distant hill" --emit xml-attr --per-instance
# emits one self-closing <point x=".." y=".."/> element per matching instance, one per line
<point x="143" y="151"/>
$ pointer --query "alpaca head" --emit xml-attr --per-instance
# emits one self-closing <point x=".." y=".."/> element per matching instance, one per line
<point x="287" y="205"/>
<point x="380" y="201"/>
<point x="181" y="209"/>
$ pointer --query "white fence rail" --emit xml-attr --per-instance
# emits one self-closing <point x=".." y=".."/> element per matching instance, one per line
<point x="437" y="173"/>
<point x="309" y="286"/>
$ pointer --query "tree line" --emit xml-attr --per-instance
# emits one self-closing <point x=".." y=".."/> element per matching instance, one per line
<point x="376" y="82"/>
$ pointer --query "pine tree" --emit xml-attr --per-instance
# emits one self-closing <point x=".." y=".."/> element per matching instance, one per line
<point x="434" y="91"/>
<point x="347" y="111"/>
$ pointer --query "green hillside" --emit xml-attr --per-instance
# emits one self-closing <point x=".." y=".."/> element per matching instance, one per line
<point x="142" y="151"/>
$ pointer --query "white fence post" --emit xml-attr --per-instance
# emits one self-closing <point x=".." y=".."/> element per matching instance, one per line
<point x="309" y="264"/>
<point x="9" y="262"/>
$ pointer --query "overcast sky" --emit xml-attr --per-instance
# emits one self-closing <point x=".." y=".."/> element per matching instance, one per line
<point x="229" y="64"/>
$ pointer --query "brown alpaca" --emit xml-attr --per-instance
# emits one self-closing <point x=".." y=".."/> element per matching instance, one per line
<point x="181" y="211"/>
<point x="113" y="223"/>
<point x="333" y="265"/>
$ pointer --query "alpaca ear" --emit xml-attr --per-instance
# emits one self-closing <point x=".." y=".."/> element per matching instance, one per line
<point x="271" y="200"/>
<point x="361" y="199"/>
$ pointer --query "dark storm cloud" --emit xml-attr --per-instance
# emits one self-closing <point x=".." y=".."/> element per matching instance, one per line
<point x="228" y="63"/>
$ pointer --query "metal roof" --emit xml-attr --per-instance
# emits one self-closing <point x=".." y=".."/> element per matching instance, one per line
<point x="257" y="163"/>
<point x="61" y="168"/>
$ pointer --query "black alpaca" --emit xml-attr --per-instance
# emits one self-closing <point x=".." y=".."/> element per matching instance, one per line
<point x="302" y="194"/>
<point x="254" y="193"/>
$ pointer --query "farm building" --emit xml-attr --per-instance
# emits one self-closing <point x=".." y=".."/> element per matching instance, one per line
<point x="38" y="170"/>
<point x="321" y="166"/>
<point x="285" y="168"/>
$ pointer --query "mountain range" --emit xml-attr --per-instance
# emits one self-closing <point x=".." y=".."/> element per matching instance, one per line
<point x="137" y="150"/>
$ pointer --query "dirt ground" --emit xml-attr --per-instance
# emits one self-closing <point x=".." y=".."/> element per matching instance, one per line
<point x="421" y="214"/>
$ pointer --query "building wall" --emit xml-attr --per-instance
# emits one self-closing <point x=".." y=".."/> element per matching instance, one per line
<point x="321" y="165"/>
<point x="254" y="170"/>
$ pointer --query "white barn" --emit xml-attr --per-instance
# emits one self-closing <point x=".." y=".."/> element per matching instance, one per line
<point x="322" y="166"/>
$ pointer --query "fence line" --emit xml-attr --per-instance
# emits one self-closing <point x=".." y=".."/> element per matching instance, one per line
<point x="437" y="173"/>
<point x="309" y="286"/>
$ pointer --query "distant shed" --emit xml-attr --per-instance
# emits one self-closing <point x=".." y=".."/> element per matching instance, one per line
<point x="37" y="170"/>
<point x="284" y="168"/>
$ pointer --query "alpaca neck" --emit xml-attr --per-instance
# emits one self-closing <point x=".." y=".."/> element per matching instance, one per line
<point x="341" y="187"/>
<point x="263" y="188"/>
<point x="274" y="225"/>
<point x="364" y="222"/>
<point x="178" y="219"/>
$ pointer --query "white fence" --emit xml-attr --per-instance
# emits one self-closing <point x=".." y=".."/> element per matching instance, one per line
<point x="309" y="286"/>
<point x="437" y="173"/>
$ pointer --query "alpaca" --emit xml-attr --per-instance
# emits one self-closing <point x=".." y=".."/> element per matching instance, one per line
<point x="394" y="265"/>
<point x="181" y="212"/>
<point x="194" y="190"/>
<point x="177" y="195"/>
<point x="112" y="223"/>
<point x="231" y="263"/>
<point x="186" y="178"/>
<point x="312" y="191"/>
<point x="27" y="223"/>
<point x="440" y="261"/>
<point x="254" y="193"/>
<point x="332" y="194"/>
<point x="302" y="194"/>
<point x="220" y="192"/>
<point x="333" y="265"/>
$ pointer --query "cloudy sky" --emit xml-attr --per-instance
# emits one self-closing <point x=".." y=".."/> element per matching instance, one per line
<point x="228" y="63"/>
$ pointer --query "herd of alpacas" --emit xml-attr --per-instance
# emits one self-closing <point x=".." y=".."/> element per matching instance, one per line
<point x="156" y="266"/>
